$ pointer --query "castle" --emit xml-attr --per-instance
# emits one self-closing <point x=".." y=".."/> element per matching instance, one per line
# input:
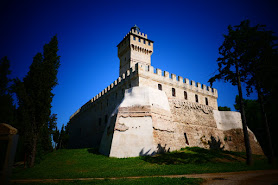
<point x="147" y="111"/>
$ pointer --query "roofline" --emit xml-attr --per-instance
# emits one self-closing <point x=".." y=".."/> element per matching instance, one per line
<point x="136" y="36"/>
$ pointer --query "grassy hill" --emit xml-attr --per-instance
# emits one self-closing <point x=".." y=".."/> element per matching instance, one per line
<point x="88" y="163"/>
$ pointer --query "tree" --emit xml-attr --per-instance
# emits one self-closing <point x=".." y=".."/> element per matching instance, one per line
<point x="61" y="137"/>
<point x="261" y="54"/>
<point x="35" y="95"/>
<point x="254" y="119"/>
<point x="225" y="108"/>
<point x="231" y="69"/>
<point x="7" y="108"/>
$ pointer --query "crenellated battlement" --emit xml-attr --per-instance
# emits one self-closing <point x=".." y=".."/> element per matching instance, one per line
<point x="174" y="80"/>
<point x="121" y="80"/>
<point x="136" y="32"/>
<point x="154" y="74"/>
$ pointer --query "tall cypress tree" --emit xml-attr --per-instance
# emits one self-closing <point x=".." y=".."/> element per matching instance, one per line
<point x="35" y="95"/>
<point x="7" y="108"/>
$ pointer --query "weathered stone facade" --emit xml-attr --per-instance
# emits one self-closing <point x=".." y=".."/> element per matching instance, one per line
<point x="146" y="111"/>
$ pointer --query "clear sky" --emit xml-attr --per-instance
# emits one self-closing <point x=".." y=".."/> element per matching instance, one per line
<point x="186" y="35"/>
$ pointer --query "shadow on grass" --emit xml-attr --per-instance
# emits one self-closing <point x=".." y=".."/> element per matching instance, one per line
<point x="192" y="155"/>
<point x="94" y="151"/>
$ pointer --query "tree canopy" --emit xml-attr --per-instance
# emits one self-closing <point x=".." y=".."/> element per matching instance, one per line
<point x="7" y="108"/>
<point x="248" y="55"/>
<point x="34" y="94"/>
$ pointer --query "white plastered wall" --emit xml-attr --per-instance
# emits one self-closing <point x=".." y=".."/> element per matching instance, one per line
<point x="137" y="138"/>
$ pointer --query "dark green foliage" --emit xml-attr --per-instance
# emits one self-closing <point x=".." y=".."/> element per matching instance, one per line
<point x="64" y="136"/>
<point x="253" y="113"/>
<point x="232" y="68"/>
<point x="255" y="121"/>
<point x="61" y="138"/>
<point x="4" y="72"/>
<point x="225" y="108"/>
<point x="259" y="56"/>
<point x="34" y="96"/>
<point x="7" y="108"/>
<point x="250" y="53"/>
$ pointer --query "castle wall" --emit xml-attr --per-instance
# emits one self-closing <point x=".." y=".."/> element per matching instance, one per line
<point x="87" y="124"/>
<point x="149" y="78"/>
<point x="194" y="124"/>
<point x="141" y="123"/>
<point x="132" y="132"/>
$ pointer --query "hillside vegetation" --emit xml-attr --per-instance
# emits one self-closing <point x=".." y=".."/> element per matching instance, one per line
<point x="88" y="163"/>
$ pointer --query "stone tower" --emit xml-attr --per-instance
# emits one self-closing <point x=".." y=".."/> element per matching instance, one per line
<point x="134" y="48"/>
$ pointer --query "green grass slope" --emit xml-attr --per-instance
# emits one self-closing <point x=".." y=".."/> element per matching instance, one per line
<point x="149" y="180"/>
<point x="82" y="163"/>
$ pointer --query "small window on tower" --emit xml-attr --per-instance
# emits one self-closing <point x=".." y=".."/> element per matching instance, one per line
<point x="134" y="38"/>
<point x="196" y="98"/>
<point x="149" y="43"/>
<point x="144" y="41"/>
<point x="173" y="92"/>
<point x="159" y="87"/>
<point x="207" y="101"/>
<point x="185" y="95"/>
<point x="139" y="39"/>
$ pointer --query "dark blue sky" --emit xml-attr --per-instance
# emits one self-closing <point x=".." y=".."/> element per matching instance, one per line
<point x="186" y="35"/>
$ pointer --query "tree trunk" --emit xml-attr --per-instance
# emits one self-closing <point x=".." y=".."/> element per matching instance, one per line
<point x="33" y="150"/>
<point x="270" y="156"/>
<point x="249" y="160"/>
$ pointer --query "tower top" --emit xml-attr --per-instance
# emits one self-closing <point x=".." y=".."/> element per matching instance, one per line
<point x="134" y="48"/>
<point x="135" y="28"/>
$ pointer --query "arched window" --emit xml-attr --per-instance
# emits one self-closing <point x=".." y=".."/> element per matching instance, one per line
<point x="185" y="95"/>
<point x="196" y="98"/>
<point x="206" y="101"/>
<point x="173" y="92"/>
<point x="159" y="87"/>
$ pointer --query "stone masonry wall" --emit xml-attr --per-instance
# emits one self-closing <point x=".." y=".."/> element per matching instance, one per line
<point x="193" y="124"/>
<point x="149" y="78"/>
